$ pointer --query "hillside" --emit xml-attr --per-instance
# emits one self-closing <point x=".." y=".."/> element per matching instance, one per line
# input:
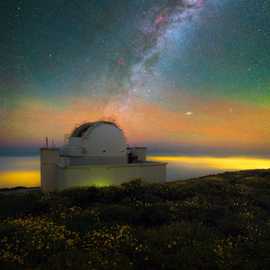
<point x="213" y="222"/>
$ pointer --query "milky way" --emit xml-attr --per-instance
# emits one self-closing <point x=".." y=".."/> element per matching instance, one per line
<point x="155" y="28"/>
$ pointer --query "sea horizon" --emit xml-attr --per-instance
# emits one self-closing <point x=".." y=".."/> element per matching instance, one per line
<point x="25" y="170"/>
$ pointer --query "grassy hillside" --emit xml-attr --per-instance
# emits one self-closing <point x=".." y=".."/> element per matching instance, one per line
<point x="214" y="222"/>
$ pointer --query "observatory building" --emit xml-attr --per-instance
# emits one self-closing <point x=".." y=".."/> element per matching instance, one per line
<point x="96" y="154"/>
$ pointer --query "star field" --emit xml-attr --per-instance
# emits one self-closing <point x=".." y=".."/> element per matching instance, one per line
<point x="172" y="73"/>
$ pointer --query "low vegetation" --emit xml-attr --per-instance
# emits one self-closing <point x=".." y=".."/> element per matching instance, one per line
<point x="214" y="222"/>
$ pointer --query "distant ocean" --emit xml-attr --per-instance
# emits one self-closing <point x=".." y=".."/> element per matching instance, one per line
<point x="24" y="171"/>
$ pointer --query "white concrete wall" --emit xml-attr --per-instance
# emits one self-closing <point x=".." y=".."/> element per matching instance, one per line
<point x="48" y="168"/>
<point x="76" y="161"/>
<point x="106" y="175"/>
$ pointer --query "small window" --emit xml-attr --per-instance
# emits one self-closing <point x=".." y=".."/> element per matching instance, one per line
<point x="104" y="151"/>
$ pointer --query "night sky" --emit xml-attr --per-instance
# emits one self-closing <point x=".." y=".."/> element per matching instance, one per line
<point x="182" y="75"/>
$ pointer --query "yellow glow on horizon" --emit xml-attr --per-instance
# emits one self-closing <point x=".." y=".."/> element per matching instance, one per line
<point x="101" y="183"/>
<point x="31" y="178"/>
<point x="20" y="178"/>
<point x="222" y="163"/>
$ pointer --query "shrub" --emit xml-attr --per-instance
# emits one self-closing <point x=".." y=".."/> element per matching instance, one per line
<point x="216" y="222"/>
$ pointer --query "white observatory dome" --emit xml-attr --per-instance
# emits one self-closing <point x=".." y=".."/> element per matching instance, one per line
<point x="96" y="154"/>
<point x="100" y="141"/>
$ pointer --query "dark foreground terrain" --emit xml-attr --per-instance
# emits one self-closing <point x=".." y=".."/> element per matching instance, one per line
<point x="215" y="222"/>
